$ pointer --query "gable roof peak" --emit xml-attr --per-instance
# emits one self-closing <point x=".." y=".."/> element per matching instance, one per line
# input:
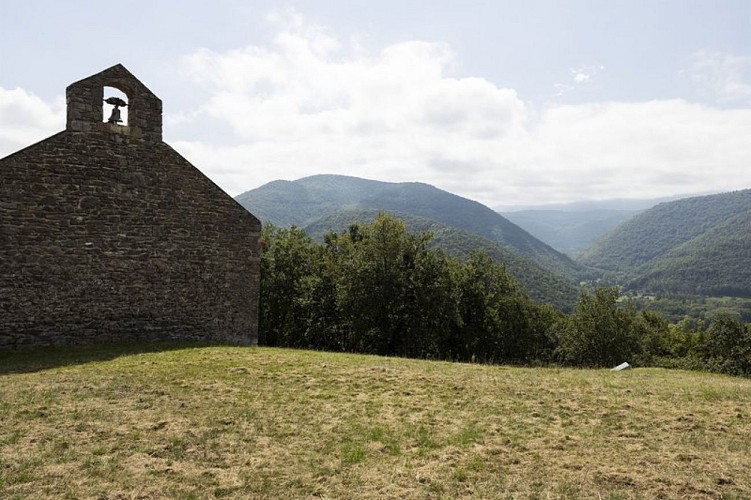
<point x="85" y="97"/>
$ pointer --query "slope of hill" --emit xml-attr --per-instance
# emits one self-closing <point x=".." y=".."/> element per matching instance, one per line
<point x="305" y="201"/>
<point x="716" y="263"/>
<point x="541" y="284"/>
<point x="570" y="232"/>
<point x="697" y="245"/>
<point x="302" y="202"/>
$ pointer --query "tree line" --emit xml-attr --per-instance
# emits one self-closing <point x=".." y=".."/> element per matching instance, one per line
<point x="378" y="289"/>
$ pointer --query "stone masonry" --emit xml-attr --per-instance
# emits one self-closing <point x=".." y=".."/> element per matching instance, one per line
<point x="108" y="234"/>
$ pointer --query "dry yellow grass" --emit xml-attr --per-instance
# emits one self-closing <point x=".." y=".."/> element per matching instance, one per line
<point x="267" y="423"/>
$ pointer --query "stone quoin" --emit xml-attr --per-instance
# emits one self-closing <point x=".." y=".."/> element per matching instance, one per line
<point x="108" y="234"/>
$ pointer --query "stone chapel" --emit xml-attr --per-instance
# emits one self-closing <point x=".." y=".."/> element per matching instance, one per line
<point x="108" y="234"/>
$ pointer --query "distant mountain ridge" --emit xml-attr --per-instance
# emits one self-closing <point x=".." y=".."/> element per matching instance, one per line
<point x="324" y="203"/>
<point x="573" y="227"/>
<point x="569" y="231"/>
<point x="628" y="204"/>
<point x="307" y="200"/>
<point x="699" y="245"/>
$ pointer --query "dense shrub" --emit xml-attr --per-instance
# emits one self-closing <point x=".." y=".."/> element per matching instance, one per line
<point x="727" y="346"/>
<point x="599" y="332"/>
<point x="375" y="288"/>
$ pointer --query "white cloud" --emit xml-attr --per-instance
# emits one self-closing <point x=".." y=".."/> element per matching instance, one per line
<point x="561" y="89"/>
<point x="26" y="119"/>
<point x="726" y="76"/>
<point x="580" y="77"/>
<point x="584" y="75"/>
<point x="310" y="103"/>
<point x="643" y="149"/>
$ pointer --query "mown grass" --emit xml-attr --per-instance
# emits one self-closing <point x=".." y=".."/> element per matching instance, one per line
<point x="267" y="423"/>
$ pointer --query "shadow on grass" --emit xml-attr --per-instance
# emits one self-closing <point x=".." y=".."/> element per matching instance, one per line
<point x="32" y="360"/>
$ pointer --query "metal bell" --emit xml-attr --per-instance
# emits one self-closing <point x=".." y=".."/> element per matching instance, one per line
<point x="116" y="102"/>
<point x="115" y="116"/>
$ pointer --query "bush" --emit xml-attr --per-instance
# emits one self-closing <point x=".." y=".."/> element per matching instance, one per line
<point x="599" y="332"/>
<point x="727" y="346"/>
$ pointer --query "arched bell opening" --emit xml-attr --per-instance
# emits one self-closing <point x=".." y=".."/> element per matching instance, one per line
<point x="115" y="106"/>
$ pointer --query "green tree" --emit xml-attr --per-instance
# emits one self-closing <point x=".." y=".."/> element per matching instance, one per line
<point x="431" y="305"/>
<point x="498" y="321"/>
<point x="727" y="346"/>
<point x="394" y="295"/>
<point x="289" y="286"/>
<point x="599" y="332"/>
<point x="655" y="342"/>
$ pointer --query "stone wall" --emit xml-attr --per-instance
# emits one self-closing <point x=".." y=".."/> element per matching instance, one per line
<point x="107" y="234"/>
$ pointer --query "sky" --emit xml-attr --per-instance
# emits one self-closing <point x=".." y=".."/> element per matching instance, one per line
<point x="509" y="103"/>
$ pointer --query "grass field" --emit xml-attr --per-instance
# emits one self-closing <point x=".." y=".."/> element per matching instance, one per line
<point x="267" y="423"/>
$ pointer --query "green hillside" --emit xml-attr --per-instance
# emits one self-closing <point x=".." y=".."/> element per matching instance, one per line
<point x="655" y="232"/>
<point x="717" y="263"/>
<point x="305" y="201"/>
<point x="697" y="246"/>
<point x="302" y="202"/>
<point x="541" y="284"/>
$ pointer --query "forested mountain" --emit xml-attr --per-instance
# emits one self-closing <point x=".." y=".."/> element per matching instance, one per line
<point x="541" y="284"/>
<point x="569" y="231"/>
<point x="699" y="246"/>
<point x="717" y="263"/>
<point x="306" y="201"/>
